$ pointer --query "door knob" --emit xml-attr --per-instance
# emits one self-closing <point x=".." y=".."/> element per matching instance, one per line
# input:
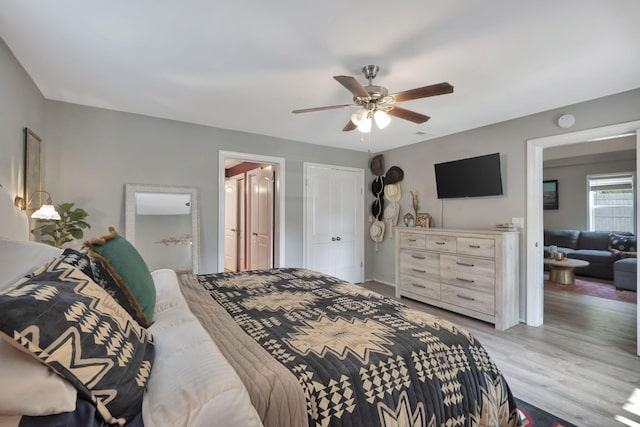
<point x="333" y="239"/>
<point x="255" y="234"/>
<point x="338" y="238"/>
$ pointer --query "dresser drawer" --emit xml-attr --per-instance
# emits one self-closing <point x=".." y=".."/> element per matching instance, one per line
<point x="468" y="298"/>
<point x="412" y="240"/>
<point x="420" y="286"/>
<point x="420" y="264"/>
<point x="472" y="273"/>
<point x="476" y="246"/>
<point x="438" y="243"/>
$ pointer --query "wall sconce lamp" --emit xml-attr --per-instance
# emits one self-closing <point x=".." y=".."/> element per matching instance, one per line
<point x="46" y="211"/>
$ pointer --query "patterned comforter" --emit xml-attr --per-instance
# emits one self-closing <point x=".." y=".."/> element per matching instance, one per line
<point x="317" y="351"/>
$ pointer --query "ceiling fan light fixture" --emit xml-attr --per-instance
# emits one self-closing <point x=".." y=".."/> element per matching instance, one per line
<point x="359" y="116"/>
<point x="382" y="119"/>
<point x="365" y="126"/>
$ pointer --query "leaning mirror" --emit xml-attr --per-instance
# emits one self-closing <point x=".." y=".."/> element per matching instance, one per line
<point x="163" y="224"/>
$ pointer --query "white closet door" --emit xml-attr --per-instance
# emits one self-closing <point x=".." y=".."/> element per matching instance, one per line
<point x="261" y="218"/>
<point x="231" y="225"/>
<point x="334" y="221"/>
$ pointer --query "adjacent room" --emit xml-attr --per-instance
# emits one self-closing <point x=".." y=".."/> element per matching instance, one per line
<point x="339" y="213"/>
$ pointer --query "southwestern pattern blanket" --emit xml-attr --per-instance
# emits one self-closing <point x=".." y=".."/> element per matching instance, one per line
<point x="361" y="359"/>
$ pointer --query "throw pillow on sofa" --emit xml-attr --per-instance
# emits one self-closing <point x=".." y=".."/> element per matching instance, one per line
<point x="623" y="246"/>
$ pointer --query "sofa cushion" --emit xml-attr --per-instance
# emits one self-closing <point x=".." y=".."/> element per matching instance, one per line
<point x="598" y="240"/>
<point x="593" y="256"/>
<point x="561" y="238"/>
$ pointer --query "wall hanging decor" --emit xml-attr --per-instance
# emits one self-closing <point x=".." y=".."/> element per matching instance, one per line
<point x="550" y="194"/>
<point x="32" y="171"/>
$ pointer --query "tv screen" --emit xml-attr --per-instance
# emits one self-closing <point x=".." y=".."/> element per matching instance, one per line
<point x="473" y="177"/>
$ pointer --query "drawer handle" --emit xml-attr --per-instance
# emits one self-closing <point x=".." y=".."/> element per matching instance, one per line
<point x="418" y="286"/>
<point x="418" y="270"/>
<point x="417" y="257"/>
<point x="465" y="297"/>
<point x="440" y="243"/>
<point x="465" y="280"/>
<point x="412" y="240"/>
<point x="474" y="246"/>
<point x="464" y="264"/>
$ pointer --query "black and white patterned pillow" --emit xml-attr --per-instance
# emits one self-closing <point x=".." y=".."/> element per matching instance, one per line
<point x="622" y="243"/>
<point x="64" y="319"/>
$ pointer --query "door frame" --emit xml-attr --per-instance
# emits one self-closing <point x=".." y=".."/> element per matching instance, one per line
<point x="360" y="208"/>
<point x="534" y="213"/>
<point x="279" y="198"/>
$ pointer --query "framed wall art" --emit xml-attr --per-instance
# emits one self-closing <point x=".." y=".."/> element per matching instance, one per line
<point x="422" y="220"/>
<point x="550" y="194"/>
<point x="32" y="169"/>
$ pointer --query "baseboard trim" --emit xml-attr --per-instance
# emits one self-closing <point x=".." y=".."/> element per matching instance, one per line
<point x="393" y="285"/>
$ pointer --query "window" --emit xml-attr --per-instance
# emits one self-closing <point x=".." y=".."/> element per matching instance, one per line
<point x="611" y="202"/>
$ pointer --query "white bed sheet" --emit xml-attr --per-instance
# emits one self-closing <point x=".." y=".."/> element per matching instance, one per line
<point x="191" y="382"/>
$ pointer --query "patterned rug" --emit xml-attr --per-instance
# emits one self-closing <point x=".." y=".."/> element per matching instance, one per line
<point x="594" y="287"/>
<point x="532" y="416"/>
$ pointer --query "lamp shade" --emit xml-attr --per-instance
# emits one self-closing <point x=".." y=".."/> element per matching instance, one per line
<point x="365" y="126"/>
<point x="46" y="211"/>
<point x="359" y="116"/>
<point x="382" y="119"/>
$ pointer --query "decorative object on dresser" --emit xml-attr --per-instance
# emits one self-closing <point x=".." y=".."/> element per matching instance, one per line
<point x="471" y="272"/>
<point x="423" y="220"/>
<point x="409" y="220"/>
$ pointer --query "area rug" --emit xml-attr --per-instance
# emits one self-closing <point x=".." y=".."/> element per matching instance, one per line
<point x="593" y="287"/>
<point x="532" y="416"/>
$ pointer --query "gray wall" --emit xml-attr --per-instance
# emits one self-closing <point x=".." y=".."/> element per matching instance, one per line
<point x="509" y="139"/>
<point x="21" y="105"/>
<point x="93" y="152"/>
<point x="90" y="153"/>
<point x="571" y="174"/>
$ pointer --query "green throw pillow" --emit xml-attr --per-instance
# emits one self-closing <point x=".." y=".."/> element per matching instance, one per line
<point x="60" y="316"/>
<point x="120" y="269"/>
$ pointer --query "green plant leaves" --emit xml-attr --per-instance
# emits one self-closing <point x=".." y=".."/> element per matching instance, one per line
<point x="69" y="227"/>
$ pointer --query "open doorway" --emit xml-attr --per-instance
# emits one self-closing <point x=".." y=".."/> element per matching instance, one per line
<point x="534" y="237"/>
<point x="251" y="211"/>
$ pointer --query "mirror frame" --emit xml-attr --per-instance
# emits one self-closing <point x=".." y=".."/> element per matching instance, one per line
<point x="130" y="214"/>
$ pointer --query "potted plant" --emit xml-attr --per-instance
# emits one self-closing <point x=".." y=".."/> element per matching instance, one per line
<point x="68" y="228"/>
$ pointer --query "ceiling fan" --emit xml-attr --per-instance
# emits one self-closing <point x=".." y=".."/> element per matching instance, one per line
<point x="375" y="103"/>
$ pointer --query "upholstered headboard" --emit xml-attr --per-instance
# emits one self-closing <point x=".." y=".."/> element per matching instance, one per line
<point x="14" y="223"/>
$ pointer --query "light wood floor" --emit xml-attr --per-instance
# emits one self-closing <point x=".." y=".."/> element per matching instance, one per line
<point x="580" y="365"/>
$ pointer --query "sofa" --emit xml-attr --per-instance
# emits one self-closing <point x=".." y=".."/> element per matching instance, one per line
<point x="596" y="248"/>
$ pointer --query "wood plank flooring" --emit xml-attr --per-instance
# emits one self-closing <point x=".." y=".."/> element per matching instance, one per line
<point x="581" y="365"/>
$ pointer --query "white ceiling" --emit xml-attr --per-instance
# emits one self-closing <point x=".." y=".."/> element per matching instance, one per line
<point x="244" y="65"/>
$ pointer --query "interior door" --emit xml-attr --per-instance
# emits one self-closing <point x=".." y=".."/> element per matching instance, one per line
<point x="334" y="212"/>
<point x="231" y="225"/>
<point x="261" y="217"/>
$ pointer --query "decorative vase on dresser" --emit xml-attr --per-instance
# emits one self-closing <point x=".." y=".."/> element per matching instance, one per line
<point x="471" y="272"/>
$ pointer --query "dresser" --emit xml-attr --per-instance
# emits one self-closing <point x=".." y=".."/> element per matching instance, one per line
<point x="471" y="272"/>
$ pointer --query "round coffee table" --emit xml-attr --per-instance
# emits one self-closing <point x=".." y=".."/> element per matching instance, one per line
<point x="562" y="270"/>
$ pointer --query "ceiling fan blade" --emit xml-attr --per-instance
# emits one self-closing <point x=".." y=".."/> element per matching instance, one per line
<point x="330" y="107"/>
<point x="353" y="86"/>
<point x="412" y="116"/>
<point x="423" y="92"/>
<point x="349" y="126"/>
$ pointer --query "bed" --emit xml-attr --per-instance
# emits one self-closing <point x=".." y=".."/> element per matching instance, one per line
<point x="283" y="347"/>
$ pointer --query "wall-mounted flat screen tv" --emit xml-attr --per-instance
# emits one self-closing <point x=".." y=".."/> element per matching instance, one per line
<point x="473" y="177"/>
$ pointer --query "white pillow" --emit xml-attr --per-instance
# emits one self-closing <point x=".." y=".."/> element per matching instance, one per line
<point x="28" y="387"/>
<point x="18" y="259"/>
